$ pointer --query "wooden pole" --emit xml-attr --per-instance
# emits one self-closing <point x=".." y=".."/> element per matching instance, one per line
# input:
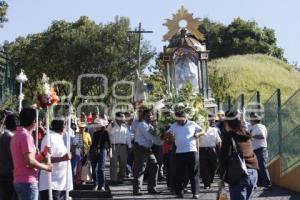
<point x="49" y="156"/>
<point x="139" y="32"/>
<point x="68" y="148"/>
<point x="139" y="48"/>
<point x="20" y="97"/>
<point x="37" y="130"/>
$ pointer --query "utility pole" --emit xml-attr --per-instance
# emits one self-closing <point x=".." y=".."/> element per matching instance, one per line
<point x="139" y="32"/>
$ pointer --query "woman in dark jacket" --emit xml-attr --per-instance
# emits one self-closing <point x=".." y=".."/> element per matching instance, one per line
<point x="234" y="129"/>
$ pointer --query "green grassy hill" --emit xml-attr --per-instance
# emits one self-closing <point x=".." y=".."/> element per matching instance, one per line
<point x="250" y="73"/>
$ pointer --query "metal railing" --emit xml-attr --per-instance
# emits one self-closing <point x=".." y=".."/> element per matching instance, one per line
<point x="290" y="113"/>
<point x="272" y="120"/>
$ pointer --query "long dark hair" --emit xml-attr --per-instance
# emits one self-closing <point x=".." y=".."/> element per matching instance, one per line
<point x="233" y="120"/>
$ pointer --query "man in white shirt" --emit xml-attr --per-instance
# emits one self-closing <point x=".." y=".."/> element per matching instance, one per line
<point x="119" y="136"/>
<point x="208" y="145"/>
<point x="185" y="133"/>
<point x="60" y="158"/>
<point x="259" y="135"/>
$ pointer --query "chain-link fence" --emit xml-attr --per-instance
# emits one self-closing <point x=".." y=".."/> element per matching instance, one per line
<point x="291" y="149"/>
<point x="290" y="113"/>
<point x="239" y="103"/>
<point x="226" y="105"/>
<point x="282" y="122"/>
<point x="271" y="108"/>
<point x="252" y="105"/>
<point x="272" y="121"/>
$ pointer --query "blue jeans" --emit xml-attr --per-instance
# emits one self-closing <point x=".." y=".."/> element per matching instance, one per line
<point x="27" y="191"/>
<point x="74" y="162"/>
<point x="99" y="177"/>
<point x="263" y="173"/>
<point x="243" y="189"/>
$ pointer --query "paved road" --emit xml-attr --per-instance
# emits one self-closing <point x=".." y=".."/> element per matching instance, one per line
<point x="125" y="192"/>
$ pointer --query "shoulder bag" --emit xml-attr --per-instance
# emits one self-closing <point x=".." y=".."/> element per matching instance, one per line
<point x="236" y="168"/>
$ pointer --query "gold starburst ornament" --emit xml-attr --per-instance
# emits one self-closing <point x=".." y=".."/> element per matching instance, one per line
<point x="183" y="19"/>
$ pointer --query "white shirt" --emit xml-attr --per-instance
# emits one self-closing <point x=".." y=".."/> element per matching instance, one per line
<point x="184" y="136"/>
<point x="59" y="170"/>
<point x="259" y="129"/>
<point x="211" y="138"/>
<point x="248" y="126"/>
<point x="119" y="134"/>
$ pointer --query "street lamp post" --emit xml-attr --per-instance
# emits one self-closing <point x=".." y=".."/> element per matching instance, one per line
<point x="203" y="55"/>
<point x="21" y="78"/>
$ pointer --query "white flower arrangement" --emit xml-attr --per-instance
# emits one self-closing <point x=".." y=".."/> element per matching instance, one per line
<point x="22" y="78"/>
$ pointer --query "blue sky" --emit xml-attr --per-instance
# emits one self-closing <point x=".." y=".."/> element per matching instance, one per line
<point x="31" y="16"/>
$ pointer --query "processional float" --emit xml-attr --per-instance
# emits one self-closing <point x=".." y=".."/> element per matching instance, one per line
<point x="185" y="58"/>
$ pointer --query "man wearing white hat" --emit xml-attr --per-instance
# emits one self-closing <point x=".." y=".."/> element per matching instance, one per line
<point x="120" y="140"/>
<point x="98" y="153"/>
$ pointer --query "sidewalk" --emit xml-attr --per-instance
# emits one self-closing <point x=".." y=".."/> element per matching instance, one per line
<point x="125" y="192"/>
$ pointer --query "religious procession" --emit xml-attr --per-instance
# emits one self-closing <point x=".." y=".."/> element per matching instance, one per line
<point x="95" y="148"/>
<point x="179" y="142"/>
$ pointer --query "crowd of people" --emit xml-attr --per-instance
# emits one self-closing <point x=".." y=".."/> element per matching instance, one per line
<point x="184" y="154"/>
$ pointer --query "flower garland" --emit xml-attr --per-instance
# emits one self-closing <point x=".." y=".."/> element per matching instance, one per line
<point x="188" y="102"/>
<point x="46" y="95"/>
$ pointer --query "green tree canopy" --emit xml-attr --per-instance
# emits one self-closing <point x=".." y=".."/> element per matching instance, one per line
<point x="238" y="38"/>
<point x="3" y="12"/>
<point x="68" y="49"/>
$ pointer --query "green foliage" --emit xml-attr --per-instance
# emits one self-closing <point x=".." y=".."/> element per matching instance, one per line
<point x="250" y="73"/>
<point x="220" y="84"/>
<point x="68" y="49"/>
<point x="10" y="102"/>
<point x="3" y="12"/>
<point x="214" y="37"/>
<point x="238" y="38"/>
<point x="158" y="80"/>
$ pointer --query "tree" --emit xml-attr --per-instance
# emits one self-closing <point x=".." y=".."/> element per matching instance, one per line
<point x="158" y="80"/>
<point x="3" y="12"/>
<point x="68" y="49"/>
<point x="239" y="37"/>
<point x="213" y="33"/>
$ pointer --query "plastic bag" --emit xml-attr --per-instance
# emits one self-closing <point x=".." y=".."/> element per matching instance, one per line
<point x="86" y="174"/>
<point x="222" y="194"/>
